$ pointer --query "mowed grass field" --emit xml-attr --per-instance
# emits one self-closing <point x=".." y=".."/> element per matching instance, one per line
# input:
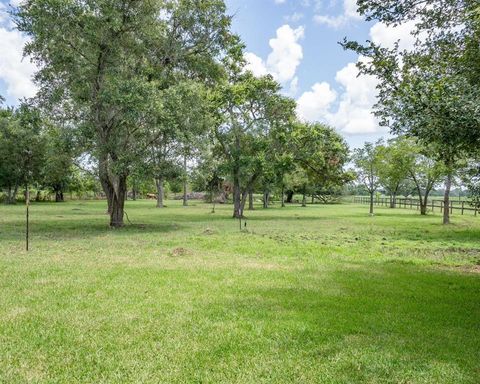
<point x="323" y="294"/>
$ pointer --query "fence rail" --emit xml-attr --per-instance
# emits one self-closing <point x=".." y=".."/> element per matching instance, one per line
<point x="408" y="203"/>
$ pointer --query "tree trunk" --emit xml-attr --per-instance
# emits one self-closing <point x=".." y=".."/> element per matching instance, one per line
<point x="9" y="195"/>
<point x="423" y="206"/>
<point x="243" y="202"/>
<point x="371" y="203"/>
<point x="118" y="202"/>
<point x="446" y="199"/>
<point x="313" y="199"/>
<point x="185" y="197"/>
<point x="393" y="200"/>
<point x="237" y="209"/>
<point x="289" y="197"/>
<point x="283" y="197"/>
<point x="423" y="201"/>
<point x="106" y="185"/>
<point x="134" y="194"/>
<point x="304" y="199"/>
<point x="14" y="195"/>
<point x="159" y="184"/>
<point x="58" y="196"/>
<point x="250" y="200"/>
<point x="266" y="198"/>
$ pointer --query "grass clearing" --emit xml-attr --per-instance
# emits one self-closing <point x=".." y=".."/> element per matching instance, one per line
<point x="324" y="294"/>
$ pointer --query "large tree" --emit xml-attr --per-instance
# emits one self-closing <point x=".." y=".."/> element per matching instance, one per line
<point x="248" y="112"/>
<point x="57" y="167"/>
<point x="22" y="149"/>
<point x="108" y="61"/>
<point x="322" y="153"/>
<point x="426" y="173"/>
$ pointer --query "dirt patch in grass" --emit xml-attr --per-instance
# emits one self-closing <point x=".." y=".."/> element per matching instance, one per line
<point x="469" y="268"/>
<point x="209" y="231"/>
<point x="179" y="252"/>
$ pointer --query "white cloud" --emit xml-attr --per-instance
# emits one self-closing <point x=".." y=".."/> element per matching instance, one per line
<point x="315" y="104"/>
<point x="15" y="70"/>
<point x="349" y="14"/>
<point x="280" y="1"/>
<point x="283" y="60"/>
<point x="387" y="36"/>
<point x="286" y="54"/>
<point x="353" y="113"/>
<point x="293" y="87"/>
<point x="255" y="64"/>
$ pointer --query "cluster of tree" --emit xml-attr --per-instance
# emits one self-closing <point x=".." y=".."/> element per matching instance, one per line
<point x="431" y="92"/>
<point x="146" y="90"/>
<point x="32" y="149"/>
<point x="401" y="167"/>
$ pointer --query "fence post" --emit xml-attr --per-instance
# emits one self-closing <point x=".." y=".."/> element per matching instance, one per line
<point x="433" y="205"/>
<point x="463" y="206"/>
<point x="451" y="207"/>
<point x="441" y="207"/>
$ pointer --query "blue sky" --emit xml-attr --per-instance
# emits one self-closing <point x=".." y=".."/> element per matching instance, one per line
<point x="294" y="40"/>
<point x="258" y="20"/>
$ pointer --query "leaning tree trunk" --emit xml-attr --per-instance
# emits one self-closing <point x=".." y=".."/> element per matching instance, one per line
<point x="159" y="184"/>
<point x="371" y="203"/>
<point x="446" y="199"/>
<point x="250" y="200"/>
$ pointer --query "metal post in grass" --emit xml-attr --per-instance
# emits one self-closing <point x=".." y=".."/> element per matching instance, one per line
<point x="27" y="203"/>
<point x="28" y="158"/>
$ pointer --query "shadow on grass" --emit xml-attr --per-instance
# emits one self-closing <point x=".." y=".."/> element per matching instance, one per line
<point x="403" y="314"/>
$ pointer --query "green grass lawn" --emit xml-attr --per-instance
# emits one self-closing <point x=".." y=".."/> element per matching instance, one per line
<point x="323" y="294"/>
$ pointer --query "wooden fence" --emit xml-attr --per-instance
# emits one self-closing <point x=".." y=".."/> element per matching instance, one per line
<point x="410" y="203"/>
